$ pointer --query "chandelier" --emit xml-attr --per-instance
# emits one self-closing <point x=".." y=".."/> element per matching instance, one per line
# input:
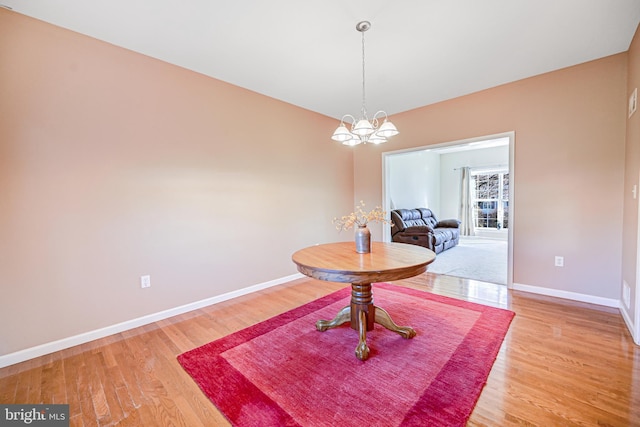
<point x="364" y="130"/>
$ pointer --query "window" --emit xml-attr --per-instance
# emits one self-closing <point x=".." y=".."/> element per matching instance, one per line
<point x="491" y="199"/>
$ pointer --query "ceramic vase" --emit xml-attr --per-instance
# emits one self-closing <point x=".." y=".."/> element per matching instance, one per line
<point x="363" y="240"/>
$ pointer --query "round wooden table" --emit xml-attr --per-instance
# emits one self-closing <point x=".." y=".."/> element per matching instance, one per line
<point x="339" y="262"/>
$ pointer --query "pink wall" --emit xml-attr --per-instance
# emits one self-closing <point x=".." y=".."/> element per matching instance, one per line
<point x="569" y="159"/>
<point x="114" y="165"/>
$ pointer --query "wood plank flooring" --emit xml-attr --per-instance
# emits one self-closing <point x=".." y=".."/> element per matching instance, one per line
<point x="562" y="363"/>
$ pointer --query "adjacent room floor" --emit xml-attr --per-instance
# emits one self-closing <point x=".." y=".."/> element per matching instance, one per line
<point x="474" y="258"/>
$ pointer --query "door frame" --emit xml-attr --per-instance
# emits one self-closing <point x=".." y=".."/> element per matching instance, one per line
<point x="635" y="331"/>
<point x="386" y="178"/>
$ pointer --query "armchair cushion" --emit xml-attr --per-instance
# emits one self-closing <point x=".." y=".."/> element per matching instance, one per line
<point x="406" y="218"/>
<point x="418" y="229"/>
<point x="451" y="223"/>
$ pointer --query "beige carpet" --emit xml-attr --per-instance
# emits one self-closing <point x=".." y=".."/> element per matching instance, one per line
<point x="474" y="258"/>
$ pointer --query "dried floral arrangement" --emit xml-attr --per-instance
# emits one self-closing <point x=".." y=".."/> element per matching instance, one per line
<point x="361" y="217"/>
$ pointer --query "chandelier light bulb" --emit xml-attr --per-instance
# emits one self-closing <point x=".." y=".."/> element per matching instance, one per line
<point x="342" y="134"/>
<point x="387" y="129"/>
<point x="363" y="128"/>
<point x="376" y="138"/>
<point x="351" y="142"/>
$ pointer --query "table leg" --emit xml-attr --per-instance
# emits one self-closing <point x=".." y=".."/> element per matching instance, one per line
<point x="383" y="318"/>
<point x="343" y="316"/>
<point x="362" y="350"/>
<point x="363" y="314"/>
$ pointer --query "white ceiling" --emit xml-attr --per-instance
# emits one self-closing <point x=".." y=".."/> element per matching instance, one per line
<point x="308" y="53"/>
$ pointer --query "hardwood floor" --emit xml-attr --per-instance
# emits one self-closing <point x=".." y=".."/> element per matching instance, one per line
<point x="561" y="364"/>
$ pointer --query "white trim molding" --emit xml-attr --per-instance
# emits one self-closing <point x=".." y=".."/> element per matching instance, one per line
<point x="574" y="296"/>
<point x="41" y="350"/>
<point x="629" y="323"/>
<point x="386" y="179"/>
<point x="636" y="331"/>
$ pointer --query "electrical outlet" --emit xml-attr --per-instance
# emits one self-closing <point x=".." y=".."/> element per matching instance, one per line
<point x="559" y="261"/>
<point x="145" y="281"/>
<point x="626" y="294"/>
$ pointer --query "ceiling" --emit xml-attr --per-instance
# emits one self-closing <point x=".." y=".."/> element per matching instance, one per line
<point x="308" y="53"/>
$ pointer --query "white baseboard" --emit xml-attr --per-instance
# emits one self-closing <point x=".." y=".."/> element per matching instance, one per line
<point x="630" y="325"/>
<point x="40" y="350"/>
<point x="608" y="302"/>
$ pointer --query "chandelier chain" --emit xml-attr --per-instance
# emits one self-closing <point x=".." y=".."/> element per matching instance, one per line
<point x="364" y="110"/>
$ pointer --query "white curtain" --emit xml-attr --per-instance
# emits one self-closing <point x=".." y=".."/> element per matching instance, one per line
<point x="466" y="207"/>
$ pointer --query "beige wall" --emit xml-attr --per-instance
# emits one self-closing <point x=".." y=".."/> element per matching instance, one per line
<point x="632" y="170"/>
<point x="569" y="159"/>
<point x="114" y="165"/>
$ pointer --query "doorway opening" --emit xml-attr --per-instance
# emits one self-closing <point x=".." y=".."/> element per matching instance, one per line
<point x="430" y="177"/>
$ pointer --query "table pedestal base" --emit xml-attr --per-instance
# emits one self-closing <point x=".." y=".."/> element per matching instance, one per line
<point x="362" y="314"/>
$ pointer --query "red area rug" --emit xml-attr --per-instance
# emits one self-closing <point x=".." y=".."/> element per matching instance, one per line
<point x="282" y="372"/>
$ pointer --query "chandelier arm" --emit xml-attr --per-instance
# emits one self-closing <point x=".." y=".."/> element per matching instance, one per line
<point x="348" y="116"/>
<point x="379" y="113"/>
<point x="375" y="121"/>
